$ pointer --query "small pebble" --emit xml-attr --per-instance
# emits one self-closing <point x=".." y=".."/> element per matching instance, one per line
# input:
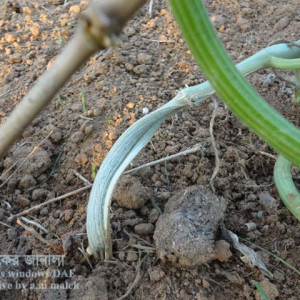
<point x="130" y="105"/>
<point x="268" y="202"/>
<point x="132" y="256"/>
<point x="27" y="181"/>
<point x="260" y="214"/>
<point x="222" y="250"/>
<point x="278" y="276"/>
<point x="68" y="215"/>
<point x="143" y="58"/>
<point x="282" y="23"/>
<point x="77" y="137"/>
<point x="44" y="211"/>
<point x="35" y="30"/>
<point x="205" y="283"/>
<point x="144" y="211"/>
<point x="23" y="202"/>
<point x="122" y="255"/>
<point x="74" y="9"/>
<point x="39" y="194"/>
<point x="144" y="228"/>
<point x="156" y="274"/>
<point x="145" y="110"/>
<point x="140" y="69"/>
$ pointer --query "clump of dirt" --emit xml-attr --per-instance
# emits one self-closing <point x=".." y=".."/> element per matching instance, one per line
<point x="130" y="193"/>
<point x="269" y="288"/>
<point x="186" y="232"/>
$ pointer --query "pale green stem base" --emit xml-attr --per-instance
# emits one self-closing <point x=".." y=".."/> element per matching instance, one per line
<point x="140" y="133"/>
<point x="285" y="186"/>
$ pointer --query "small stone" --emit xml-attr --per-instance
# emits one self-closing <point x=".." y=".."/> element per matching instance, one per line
<point x="29" y="62"/>
<point x="268" y="202"/>
<point x="143" y="58"/>
<point x="89" y="78"/>
<point x="56" y="135"/>
<point x="44" y="211"/>
<point x="39" y="194"/>
<point x="129" y="67"/>
<point x="77" y="137"/>
<point x="156" y="274"/>
<point x="278" y="276"/>
<point x="153" y="216"/>
<point x="121" y="255"/>
<point x="158" y="184"/>
<point x="88" y="129"/>
<point x="23" y="202"/>
<point x="35" y="30"/>
<point x="27" y="10"/>
<point x="222" y="250"/>
<point x="130" y="105"/>
<point x="132" y="256"/>
<point x="218" y="20"/>
<point x="74" y="9"/>
<point x="282" y="23"/>
<point x="10" y="38"/>
<point x="145" y="110"/>
<point x="265" y="229"/>
<point x="144" y="228"/>
<point x="113" y="135"/>
<point x="269" y="288"/>
<point x="144" y="211"/>
<point x="81" y="159"/>
<point x="27" y="181"/>
<point x="140" y="69"/>
<point x="12" y="183"/>
<point x="15" y="58"/>
<point x="171" y="149"/>
<point x="67" y="242"/>
<point x="165" y="195"/>
<point x="205" y="283"/>
<point x="68" y="215"/>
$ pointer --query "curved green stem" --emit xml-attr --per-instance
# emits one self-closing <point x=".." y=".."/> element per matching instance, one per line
<point x="139" y="134"/>
<point x="285" y="64"/>
<point x="285" y="186"/>
<point x="229" y="84"/>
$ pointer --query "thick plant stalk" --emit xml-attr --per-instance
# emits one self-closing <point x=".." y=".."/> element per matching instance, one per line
<point x="285" y="186"/>
<point x="233" y="89"/>
<point x="99" y="25"/>
<point x="140" y="133"/>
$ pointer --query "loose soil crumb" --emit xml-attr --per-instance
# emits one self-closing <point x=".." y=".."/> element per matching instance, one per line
<point x="130" y="193"/>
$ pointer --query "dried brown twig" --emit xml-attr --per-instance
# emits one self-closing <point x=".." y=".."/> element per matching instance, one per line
<point x="57" y="248"/>
<point x="214" y="144"/>
<point x="37" y="207"/>
<point x="98" y="29"/>
<point x="194" y="149"/>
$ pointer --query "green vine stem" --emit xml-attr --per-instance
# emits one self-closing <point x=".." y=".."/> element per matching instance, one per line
<point x="140" y="133"/>
<point x="285" y="186"/>
<point x="232" y="88"/>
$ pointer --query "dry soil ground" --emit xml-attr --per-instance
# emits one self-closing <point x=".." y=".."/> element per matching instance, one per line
<point x="146" y="69"/>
